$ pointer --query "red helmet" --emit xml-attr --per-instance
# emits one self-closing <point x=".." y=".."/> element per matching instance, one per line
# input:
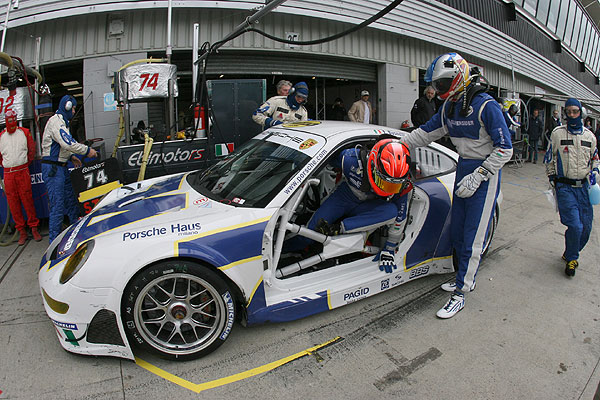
<point x="388" y="167"/>
<point x="10" y="118"/>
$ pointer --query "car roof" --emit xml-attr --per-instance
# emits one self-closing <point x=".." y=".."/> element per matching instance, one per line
<point x="331" y="129"/>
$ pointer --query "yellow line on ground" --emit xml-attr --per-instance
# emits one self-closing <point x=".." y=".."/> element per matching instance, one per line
<point x="199" y="387"/>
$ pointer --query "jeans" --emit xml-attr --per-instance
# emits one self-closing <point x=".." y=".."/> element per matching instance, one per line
<point x="533" y="150"/>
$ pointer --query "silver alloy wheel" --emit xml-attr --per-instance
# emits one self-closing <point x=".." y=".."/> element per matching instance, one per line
<point x="179" y="313"/>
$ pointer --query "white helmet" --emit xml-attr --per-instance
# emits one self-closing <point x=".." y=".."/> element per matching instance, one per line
<point x="449" y="74"/>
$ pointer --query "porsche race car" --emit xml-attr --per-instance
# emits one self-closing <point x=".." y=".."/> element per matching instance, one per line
<point x="170" y="263"/>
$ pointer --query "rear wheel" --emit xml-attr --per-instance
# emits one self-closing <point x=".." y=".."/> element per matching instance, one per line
<point x="178" y="309"/>
<point x="490" y="232"/>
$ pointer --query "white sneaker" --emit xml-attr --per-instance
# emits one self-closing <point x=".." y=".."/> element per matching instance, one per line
<point x="454" y="305"/>
<point x="451" y="287"/>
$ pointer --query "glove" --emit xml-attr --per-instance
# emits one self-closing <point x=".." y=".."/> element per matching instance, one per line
<point x="269" y="122"/>
<point x="386" y="257"/>
<point x="593" y="177"/>
<point x="470" y="183"/>
<point x="552" y="180"/>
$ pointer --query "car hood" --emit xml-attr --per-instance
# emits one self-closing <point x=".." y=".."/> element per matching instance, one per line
<point x="170" y="200"/>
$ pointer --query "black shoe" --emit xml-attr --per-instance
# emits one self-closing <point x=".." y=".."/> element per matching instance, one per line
<point x="328" y="229"/>
<point x="570" y="268"/>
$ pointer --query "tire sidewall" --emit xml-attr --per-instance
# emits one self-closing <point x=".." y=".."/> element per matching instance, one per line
<point x="164" y="269"/>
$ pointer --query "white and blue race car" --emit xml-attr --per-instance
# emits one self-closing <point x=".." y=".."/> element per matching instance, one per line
<point x="170" y="263"/>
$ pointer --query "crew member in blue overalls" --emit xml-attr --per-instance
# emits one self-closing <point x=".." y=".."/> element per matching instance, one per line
<point x="375" y="191"/>
<point x="477" y="128"/>
<point x="58" y="146"/>
<point x="509" y="117"/>
<point x="571" y="159"/>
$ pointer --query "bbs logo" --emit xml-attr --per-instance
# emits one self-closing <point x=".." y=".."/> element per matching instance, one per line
<point x="418" y="272"/>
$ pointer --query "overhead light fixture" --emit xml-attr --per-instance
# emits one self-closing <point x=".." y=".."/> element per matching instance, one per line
<point x="220" y="76"/>
<point x="74" y="88"/>
<point x="70" y="83"/>
<point x="78" y="95"/>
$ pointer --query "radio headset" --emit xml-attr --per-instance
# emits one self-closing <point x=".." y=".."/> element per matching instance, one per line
<point x="68" y="105"/>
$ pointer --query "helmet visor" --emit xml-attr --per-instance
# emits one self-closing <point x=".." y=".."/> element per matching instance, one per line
<point x="442" y="85"/>
<point x="388" y="184"/>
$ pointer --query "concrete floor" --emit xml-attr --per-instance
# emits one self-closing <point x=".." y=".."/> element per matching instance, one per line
<point x="527" y="332"/>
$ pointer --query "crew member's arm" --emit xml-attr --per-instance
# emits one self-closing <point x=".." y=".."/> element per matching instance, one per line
<point x="263" y="115"/>
<point x="352" y="112"/>
<point x="63" y="137"/>
<point x="496" y="127"/>
<point x="425" y="134"/>
<point x="550" y="158"/>
<point x="30" y="145"/>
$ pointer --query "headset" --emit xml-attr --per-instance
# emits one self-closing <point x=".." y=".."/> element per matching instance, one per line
<point x="68" y="105"/>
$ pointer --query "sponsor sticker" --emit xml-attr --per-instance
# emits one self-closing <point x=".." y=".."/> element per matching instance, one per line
<point x="65" y="325"/>
<point x="385" y="284"/>
<point x="230" y="315"/>
<point x="419" y="271"/>
<point x="300" y="124"/>
<point x="307" y="143"/>
<point x="356" y="294"/>
<point x="237" y="200"/>
<point x="202" y="202"/>
<point x="178" y="229"/>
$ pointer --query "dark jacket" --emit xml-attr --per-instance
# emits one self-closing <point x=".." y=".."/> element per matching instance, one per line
<point x="422" y="111"/>
<point x="535" y="129"/>
<point x="552" y="123"/>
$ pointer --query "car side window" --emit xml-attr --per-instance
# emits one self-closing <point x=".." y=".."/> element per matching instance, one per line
<point x="431" y="162"/>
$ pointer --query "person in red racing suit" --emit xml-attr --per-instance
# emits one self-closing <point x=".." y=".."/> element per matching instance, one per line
<point x="17" y="150"/>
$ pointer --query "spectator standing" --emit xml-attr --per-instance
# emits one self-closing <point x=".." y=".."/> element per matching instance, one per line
<point x="477" y="128"/>
<point x="362" y="111"/>
<point x="280" y="109"/>
<point x="424" y="107"/>
<point x="572" y="156"/>
<point x="283" y="87"/>
<point x="338" y="111"/>
<point x="534" y="132"/>
<point x="17" y="151"/>
<point x="58" y="146"/>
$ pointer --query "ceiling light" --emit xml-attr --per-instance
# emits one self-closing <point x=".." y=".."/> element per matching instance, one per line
<point x="74" y="88"/>
<point x="70" y="83"/>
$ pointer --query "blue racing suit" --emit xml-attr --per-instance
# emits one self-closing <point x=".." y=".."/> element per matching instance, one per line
<point x="570" y="158"/>
<point x="482" y="139"/>
<point x="57" y="147"/>
<point x="360" y="210"/>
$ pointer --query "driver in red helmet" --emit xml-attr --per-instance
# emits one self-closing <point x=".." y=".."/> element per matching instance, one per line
<point x="374" y="191"/>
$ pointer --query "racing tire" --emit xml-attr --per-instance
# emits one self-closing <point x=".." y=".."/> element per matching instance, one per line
<point x="490" y="232"/>
<point x="178" y="310"/>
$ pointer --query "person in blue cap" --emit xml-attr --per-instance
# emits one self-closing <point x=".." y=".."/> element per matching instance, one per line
<point x="281" y="109"/>
<point x="572" y="159"/>
<point x="58" y="146"/>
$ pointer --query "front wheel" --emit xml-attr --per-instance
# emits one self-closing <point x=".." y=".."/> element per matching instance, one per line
<point x="178" y="309"/>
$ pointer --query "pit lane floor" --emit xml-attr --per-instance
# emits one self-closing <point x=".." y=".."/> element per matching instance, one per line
<point x="527" y="332"/>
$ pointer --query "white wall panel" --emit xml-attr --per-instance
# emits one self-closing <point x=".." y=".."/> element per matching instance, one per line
<point x="77" y="29"/>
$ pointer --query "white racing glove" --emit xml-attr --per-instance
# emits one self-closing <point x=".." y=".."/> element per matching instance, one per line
<point x="386" y="257"/>
<point x="470" y="183"/>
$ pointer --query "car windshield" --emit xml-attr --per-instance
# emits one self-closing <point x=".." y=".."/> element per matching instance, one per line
<point x="251" y="176"/>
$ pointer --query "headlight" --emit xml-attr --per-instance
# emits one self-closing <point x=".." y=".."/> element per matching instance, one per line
<point x="76" y="261"/>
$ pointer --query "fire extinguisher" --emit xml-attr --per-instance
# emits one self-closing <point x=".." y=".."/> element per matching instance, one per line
<point x="201" y="125"/>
